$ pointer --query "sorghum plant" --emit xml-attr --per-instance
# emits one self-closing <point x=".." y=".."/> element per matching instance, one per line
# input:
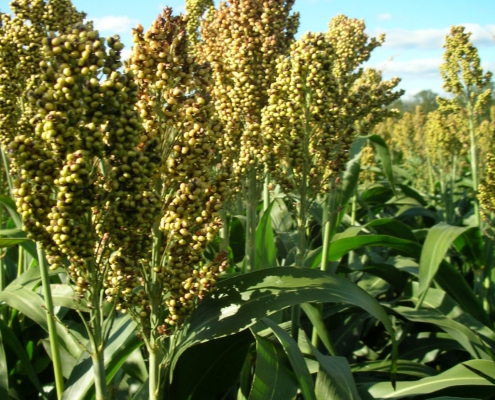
<point x="82" y="172"/>
<point x="464" y="78"/>
<point x="179" y="119"/>
<point x="242" y="40"/>
<point x="315" y="106"/>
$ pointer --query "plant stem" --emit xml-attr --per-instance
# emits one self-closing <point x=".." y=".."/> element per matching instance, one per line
<point x="301" y="217"/>
<point x="154" y="374"/>
<point x="20" y="262"/>
<point x="6" y="166"/>
<point x="97" y="335"/>
<point x="251" y="220"/>
<point x="474" y="161"/>
<point x="266" y="193"/>
<point x="224" y="231"/>
<point x="155" y="292"/>
<point x="52" y="332"/>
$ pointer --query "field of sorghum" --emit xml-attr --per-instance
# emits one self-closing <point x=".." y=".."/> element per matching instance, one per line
<point x="232" y="213"/>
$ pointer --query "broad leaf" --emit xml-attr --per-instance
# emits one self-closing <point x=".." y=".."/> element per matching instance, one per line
<point x="440" y="237"/>
<point x="384" y="154"/>
<point x="208" y="369"/>
<point x="296" y="360"/>
<point x="266" y="252"/>
<point x="273" y="378"/>
<point x="122" y="342"/>
<point x="452" y="378"/>
<point x="241" y="301"/>
<point x="31" y="305"/>
<point x="10" y="339"/>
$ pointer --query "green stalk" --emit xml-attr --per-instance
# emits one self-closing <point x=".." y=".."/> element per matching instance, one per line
<point x="266" y="193"/>
<point x="155" y="290"/>
<point x="354" y="209"/>
<point x="430" y="174"/>
<point x="20" y="262"/>
<point x="224" y="231"/>
<point x="301" y="217"/>
<point x="154" y="374"/>
<point x="251" y="220"/>
<point x="474" y="161"/>
<point x="7" y="172"/>
<point x="97" y="334"/>
<point x="52" y="332"/>
<point x="100" y="377"/>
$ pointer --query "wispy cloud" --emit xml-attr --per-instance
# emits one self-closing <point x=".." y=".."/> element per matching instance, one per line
<point x="425" y="68"/>
<point x="481" y="36"/>
<point x="384" y="17"/>
<point x="114" y="24"/>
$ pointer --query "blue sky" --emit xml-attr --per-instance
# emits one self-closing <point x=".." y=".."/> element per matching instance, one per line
<point x="415" y="29"/>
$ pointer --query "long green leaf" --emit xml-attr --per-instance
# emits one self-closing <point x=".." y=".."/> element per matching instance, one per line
<point x="440" y="237"/>
<point x="9" y="204"/>
<point x="273" y="378"/>
<point x="335" y="378"/>
<point x="10" y="339"/>
<point x="454" y="377"/>
<point x="404" y="367"/>
<point x="4" y="370"/>
<point x="31" y="305"/>
<point x="384" y="154"/>
<point x="266" y="252"/>
<point x="30" y="279"/>
<point x="240" y="301"/>
<point x="207" y="369"/>
<point x="296" y="359"/>
<point x="317" y="321"/>
<point x="122" y="342"/>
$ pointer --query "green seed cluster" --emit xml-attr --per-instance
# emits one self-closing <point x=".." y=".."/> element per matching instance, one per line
<point x="444" y="135"/>
<point x="83" y="173"/>
<point x="297" y="122"/>
<point x="462" y="73"/>
<point x="486" y="190"/>
<point x="242" y="41"/>
<point x="195" y="10"/>
<point x="175" y="104"/>
<point x="318" y="102"/>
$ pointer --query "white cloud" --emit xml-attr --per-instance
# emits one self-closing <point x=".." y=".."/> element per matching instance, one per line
<point x="434" y="38"/>
<point x="114" y="24"/>
<point x="384" y="17"/>
<point x="125" y="53"/>
<point x="425" y="68"/>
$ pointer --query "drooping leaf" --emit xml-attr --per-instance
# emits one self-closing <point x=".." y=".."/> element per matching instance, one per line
<point x="336" y="378"/>
<point x="10" y="339"/>
<point x="296" y="360"/>
<point x="317" y="321"/>
<point x="404" y="367"/>
<point x="241" y="301"/>
<point x="207" y="369"/>
<point x="123" y="341"/>
<point x="384" y="154"/>
<point x="438" y="241"/>
<point x="9" y="204"/>
<point x="453" y="378"/>
<point x="31" y="305"/>
<point x="266" y="252"/>
<point x="30" y="279"/>
<point x="273" y="378"/>
<point x="4" y="371"/>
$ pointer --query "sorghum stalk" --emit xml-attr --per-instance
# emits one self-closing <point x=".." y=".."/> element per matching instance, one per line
<point x="50" y="319"/>
<point x="473" y="159"/>
<point x="251" y="220"/>
<point x="266" y="192"/>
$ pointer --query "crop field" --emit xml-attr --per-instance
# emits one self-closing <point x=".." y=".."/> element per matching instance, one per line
<point x="236" y="211"/>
